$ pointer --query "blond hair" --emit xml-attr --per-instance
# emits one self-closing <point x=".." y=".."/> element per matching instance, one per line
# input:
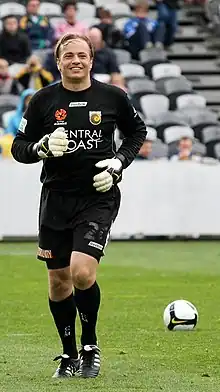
<point x="70" y="37"/>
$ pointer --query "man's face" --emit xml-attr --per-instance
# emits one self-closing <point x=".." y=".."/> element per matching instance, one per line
<point x="33" y="7"/>
<point x="141" y="12"/>
<point x="75" y="62"/>
<point x="3" y="67"/>
<point x="185" y="144"/>
<point x="146" y="149"/>
<point x="70" y="13"/>
<point x="26" y="102"/>
<point x="95" y="36"/>
<point x="11" y="25"/>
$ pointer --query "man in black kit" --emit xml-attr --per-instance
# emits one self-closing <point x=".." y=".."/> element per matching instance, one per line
<point x="70" y="126"/>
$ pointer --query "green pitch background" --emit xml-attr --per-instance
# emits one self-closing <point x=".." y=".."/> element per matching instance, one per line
<point x="137" y="280"/>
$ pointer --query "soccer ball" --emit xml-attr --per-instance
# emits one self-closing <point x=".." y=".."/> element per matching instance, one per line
<point x="180" y="315"/>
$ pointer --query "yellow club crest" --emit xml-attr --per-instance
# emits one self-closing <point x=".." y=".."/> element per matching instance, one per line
<point x="95" y="117"/>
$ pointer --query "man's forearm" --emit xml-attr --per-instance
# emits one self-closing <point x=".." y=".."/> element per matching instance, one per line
<point x="24" y="151"/>
<point x="130" y="148"/>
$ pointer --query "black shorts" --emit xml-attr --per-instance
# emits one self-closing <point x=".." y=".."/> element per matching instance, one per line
<point x="68" y="223"/>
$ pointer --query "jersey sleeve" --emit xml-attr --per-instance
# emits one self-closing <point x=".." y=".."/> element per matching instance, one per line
<point x="29" y="132"/>
<point x="132" y="128"/>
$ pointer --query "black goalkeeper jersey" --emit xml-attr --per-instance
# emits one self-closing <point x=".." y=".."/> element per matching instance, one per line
<point x="89" y="118"/>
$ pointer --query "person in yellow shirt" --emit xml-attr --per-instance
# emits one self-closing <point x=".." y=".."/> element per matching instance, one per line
<point x="33" y="75"/>
<point x="5" y="145"/>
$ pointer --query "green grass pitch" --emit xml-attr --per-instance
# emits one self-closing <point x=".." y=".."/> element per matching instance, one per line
<point x="137" y="280"/>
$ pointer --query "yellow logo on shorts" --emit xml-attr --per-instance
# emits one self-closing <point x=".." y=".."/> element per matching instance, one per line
<point x="45" y="253"/>
<point x="95" y="117"/>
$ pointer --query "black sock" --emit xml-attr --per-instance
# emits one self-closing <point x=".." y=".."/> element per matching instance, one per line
<point x="64" y="314"/>
<point x="87" y="302"/>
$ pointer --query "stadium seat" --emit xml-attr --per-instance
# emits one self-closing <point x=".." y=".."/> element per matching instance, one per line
<point x="136" y="86"/>
<point x="122" y="56"/>
<point x="196" y="115"/>
<point x="174" y="88"/>
<point x="104" y="78"/>
<point x="6" y="117"/>
<point x="85" y="10"/>
<point x="9" y="100"/>
<point x="102" y="3"/>
<point x="118" y="9"/>
<point x="12" y="8"/>
<point x="174" y="133"/>
<point x="201" y="119"/>
<point x="15" y="68"/>
<point x="211" y="136"/>
<point x="190" y="100"/>
<point x="93" y="21"/>
<point x="148" y="65"/>
<point x="151" y="134"/>
<point x="159" y="150"/>
<point x="153" y="104"/>
<point x="131" y="70"/>
<point x="165" y="70"/>
<point x="55" y="20"/>
<point x="210" y="133"/>
<point x="139" y="88"/>
<point x="120" y="22"/>
<point x="7" y="103"/>
<point x="152" y="54"/>
<point x="199" y="149"/>
<point x="165" y="120"/>
<point x="175" y="85"/>
<point x="217" y="151"/>
<point x="83" y="1"/>
<point x="50" y="9"/>
<point x="161" y="83"/>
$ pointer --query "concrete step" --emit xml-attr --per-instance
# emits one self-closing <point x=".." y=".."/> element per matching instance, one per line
<point x="182" y="50"/>
<point x="190" y="34"/>
<point x="212" y="96"/>
<point x="205" y="82"/>
<point x="198" y="67"/>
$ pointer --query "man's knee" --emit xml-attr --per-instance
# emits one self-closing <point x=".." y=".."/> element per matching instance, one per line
<point x="83" y="278"/>
<point x="60" y="284"/>
<point x="83" y="270"/>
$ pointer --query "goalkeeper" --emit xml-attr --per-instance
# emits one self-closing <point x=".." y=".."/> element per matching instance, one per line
<point x="70" y="127"/>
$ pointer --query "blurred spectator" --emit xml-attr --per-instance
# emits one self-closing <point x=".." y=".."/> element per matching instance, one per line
<point x="167" y="14"/>
<point x="118" y="80"/>
<point x="5" y="145"/>
<point x="112" y="36"/>
<point x="33" y="75"/>
<point x="104" y="60"/>
<point x="142" y="32"/>
<point x="185" y="151"/>
<point x="7" y="83"/>
<point x="145" y="151"/>
<point x="14" y="45"/>
<point x="14" y="121"/>
<point x="51" y="65"/>
<point x="37" y="27"/>
<point x="71" y="25"/>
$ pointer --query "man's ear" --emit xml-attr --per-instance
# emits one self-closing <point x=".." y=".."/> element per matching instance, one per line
<point x="58" y="65"/>
<point x="91" y="64"/>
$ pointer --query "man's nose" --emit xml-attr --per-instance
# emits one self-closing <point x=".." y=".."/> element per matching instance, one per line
<point x="75" y="60"/>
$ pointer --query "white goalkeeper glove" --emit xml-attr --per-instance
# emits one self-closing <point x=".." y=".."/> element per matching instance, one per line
<point x="111" y="175"/>
<point x="53" y="145"/>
